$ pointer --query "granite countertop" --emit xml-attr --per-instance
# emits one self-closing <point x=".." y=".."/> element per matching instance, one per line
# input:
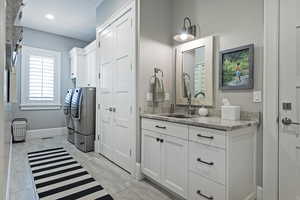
<point x="205" y="122"/>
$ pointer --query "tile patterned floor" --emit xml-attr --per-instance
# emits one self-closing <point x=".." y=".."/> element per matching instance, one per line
<point x="116" y="182"/>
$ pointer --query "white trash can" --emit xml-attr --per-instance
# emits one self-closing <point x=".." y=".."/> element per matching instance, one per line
<point x="19" y="129"/>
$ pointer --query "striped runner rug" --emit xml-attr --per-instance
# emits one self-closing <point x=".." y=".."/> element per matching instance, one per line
<point x="57" y="176"/>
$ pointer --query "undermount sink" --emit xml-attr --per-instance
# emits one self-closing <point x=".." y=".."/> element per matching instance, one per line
<point x="181" y="116"/>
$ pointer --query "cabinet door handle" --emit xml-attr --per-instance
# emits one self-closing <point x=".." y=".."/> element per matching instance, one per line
<point x="207" y="163"/>
<point x="206" y="137"/>
<point x="205" y="196"/>
<point x="161" y="141"/>
<point x="157" y="139"/>
<point x="161" y="127"/>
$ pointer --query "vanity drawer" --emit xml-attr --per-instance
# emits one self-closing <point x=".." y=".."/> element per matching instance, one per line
<point x="207" y="136"/>
<point x="167" y="128"/>
<point x="201" y="188"/>
<point x="207" y="161"/>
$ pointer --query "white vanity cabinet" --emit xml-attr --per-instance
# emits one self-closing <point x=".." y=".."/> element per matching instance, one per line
<point x="83" y="65"/>
<point x="165" y="155"/>
<point x="151" y="159"/>
<point x="200" y="163"/>
<point x="222" y="164"/>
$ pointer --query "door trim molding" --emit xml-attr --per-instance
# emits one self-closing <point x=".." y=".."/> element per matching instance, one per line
<point x="271" y="95"/>
<point x="116" y="15"/>
<point x="138" y="172"/>
<point x="8" y="183"/>
<point x="259" y="193"/>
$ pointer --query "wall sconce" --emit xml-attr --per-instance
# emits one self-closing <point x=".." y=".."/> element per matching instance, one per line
<point x="187" y="33"/>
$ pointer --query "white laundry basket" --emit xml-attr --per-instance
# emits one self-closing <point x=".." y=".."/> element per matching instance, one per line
<point x="19" y="129"/>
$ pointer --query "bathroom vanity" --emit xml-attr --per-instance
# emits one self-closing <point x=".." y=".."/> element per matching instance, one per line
<point x="200" y="158"/>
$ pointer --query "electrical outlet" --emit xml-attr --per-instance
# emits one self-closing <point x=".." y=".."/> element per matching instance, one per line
<point x="149" y="96"/>
<point x="167" y="97"/>
<point x="257" y="97"/>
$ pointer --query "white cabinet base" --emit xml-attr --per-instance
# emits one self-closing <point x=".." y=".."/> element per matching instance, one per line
<point x="175" y="164"/>
<point x="165" y="157"/>
<point x="151" y="151"/>
<point x="199" y="163"/>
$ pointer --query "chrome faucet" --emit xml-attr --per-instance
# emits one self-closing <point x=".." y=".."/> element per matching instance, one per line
<point x="188" y="93"/>
<point x="190" y="109"/>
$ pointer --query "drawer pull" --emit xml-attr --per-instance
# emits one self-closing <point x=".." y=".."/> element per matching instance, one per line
<point x="207" y="163"/>
<point x="203" y="195"/>
<point x="161" y="127"/>
<point x="206" y="137"/>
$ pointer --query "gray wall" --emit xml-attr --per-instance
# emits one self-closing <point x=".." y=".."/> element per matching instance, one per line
<point x="107" y="8"/>
<point x="40" y="119"/>
<point x="233" y="26"/>
<point x="155" y="47"/>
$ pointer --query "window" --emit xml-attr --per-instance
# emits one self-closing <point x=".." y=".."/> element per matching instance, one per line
<point x="40" y="79"/>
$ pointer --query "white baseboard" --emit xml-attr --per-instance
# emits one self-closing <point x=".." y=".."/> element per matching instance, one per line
<point x="138" y="172"/>
<point x="7" y="195"/>
<point x="259" y="193"/>
<point x="50" y="132"/>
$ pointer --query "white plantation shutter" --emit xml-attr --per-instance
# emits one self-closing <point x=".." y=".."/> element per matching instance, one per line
<point x="40" y="79"/>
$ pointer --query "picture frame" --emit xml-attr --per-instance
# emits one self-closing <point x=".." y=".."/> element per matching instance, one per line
<point x="236" y="70"/>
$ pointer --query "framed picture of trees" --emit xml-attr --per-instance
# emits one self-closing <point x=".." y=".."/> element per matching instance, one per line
<point x="236" y="68"/>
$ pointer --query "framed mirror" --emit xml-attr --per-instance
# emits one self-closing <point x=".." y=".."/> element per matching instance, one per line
<point x="194" y="72"/>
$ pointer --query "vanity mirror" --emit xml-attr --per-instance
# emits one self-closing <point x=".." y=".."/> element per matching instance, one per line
<point x="194" y="72"/>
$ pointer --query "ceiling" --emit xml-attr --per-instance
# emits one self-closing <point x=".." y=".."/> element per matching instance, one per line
<point x="73" y="18"/>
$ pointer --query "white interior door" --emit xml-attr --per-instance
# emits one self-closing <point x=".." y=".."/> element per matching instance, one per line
<point x="123" y="93"/>
<point x="289" y="101"/>
<point x="117" y="96"/>
<point x="106" y="92"/>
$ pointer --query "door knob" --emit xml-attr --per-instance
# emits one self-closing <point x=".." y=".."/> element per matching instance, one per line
<point x="110" y="109"/>
<point x="287" y="121"/>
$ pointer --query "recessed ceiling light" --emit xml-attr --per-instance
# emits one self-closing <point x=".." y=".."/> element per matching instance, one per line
<point x="50" y="16"/>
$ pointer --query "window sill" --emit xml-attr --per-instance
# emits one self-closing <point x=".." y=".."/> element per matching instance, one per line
<point x="40" y="107"/>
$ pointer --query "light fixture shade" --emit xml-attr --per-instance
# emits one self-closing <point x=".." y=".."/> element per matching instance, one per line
<point x="49" y="16"/>
<point x="183" y="37"/>
<point x="187" y="33"/>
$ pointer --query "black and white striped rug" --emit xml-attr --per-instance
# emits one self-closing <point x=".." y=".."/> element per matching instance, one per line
<point x="57" y="176"/>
